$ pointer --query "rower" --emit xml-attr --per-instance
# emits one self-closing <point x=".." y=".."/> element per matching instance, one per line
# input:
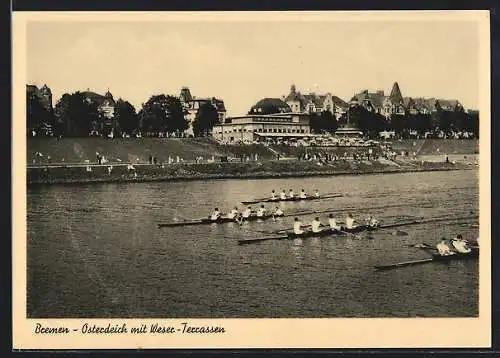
<point x="296" y="227"/>
<point x="443" y="248"/>
<point x="349" y="222"/>
<point x="246" y="213"/>
<point x="333" y="223"/>
<point x="372" y="222"/>
<point x="316" y="193"/>
<point x="233" y="213"/>
<point x="460" y="245"/>
<point x="273" y="195"/>
<point x="316" y="225"/>
<point x="261" y="211"/>
<point x="303" y="194"/>
<point x="215" y="214"/>
<point x="283" y="195"/>
<point x="291" y="194"/>
<point x="278" y="211"/>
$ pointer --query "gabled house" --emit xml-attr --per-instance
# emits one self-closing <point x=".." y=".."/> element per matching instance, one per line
<point x="314" y="103"/>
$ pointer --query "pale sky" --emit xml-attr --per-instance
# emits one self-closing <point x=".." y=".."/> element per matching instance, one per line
<point x="242" y="62"/>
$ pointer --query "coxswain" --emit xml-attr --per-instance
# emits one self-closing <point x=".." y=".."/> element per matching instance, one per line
<point x="349" y="222"/>
<point x="303" y="194"/>
<point x="246" y="213"/>
<point x="297" y="227"/>
<point x="283" y="195"/>
<point x="316" y="225"/>
<point x="333" y="223"/>
<point x="215" y="215"/>
<point x="278" y="211"/>
<point x="233" y="214"/>
<point x="261" y="211"/>
<point x="273" y="195"/>
<point x="443" y="248"/>
<point x="460" y="245"/>
<point x="316" y="193"/>
<point x="291" y="194"/>
<point x="372" y="222"/>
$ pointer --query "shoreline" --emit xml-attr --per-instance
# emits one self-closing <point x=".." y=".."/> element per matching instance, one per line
<point x="244" y="176"/>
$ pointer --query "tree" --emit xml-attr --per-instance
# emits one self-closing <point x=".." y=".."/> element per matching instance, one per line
<point x="162" y="114"/>
<point x="399" y="124"/>
<point x="37" y="115"/>
<point x="323" y="122"/>
<point x="126" y="116"/>
<point x="176" y="120"/>
<point x="315" y="123"/>
<point x="328" y="121"/>
<point x="206" y="118"/>
<point x="76" y="115"/>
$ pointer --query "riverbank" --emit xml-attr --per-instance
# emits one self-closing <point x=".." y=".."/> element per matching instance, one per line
<point x="81" y="174"/>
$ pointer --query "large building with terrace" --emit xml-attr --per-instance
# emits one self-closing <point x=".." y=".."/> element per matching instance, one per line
<point x="270" y="119"/>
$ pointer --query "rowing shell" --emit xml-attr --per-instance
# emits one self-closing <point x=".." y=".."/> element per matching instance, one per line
<point x="474" y="254"/>
<point x="309" y="234"/>
<point x="220" y="220"/>
<point x="290" y="199"/>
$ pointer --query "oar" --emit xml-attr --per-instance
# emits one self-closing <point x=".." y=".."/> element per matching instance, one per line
<point x="404" y="263"/>
<point x="250" y="241"/>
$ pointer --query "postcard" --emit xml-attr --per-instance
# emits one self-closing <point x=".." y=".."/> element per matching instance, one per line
<point x="251" y="180"/>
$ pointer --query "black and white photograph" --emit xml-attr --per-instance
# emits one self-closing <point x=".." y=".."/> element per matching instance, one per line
<point x="196" y="170"/>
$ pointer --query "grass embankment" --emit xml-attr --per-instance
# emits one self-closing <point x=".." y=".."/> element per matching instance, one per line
<point x="437" y="146"/>
<point x="135" y="150"/>
<point x="75" y="152"/>
<point x="192" y="171"/>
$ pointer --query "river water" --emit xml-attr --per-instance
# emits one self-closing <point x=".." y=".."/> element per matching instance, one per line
<point x="96" y="251"/>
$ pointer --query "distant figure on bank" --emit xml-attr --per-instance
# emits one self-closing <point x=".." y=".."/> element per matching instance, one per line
<point x="291" y="194"/>
<point x="443" y="248"/>
<point x="297" y="227"/>
<point x="215" y="215"/>
<point x="303" y="194"/>
<point x="261" y="211"/>
<point x="283" y="195"/>
<point x="316" y="193"/>
<point x="273" y="195"/>
<point x="278" y="211"/>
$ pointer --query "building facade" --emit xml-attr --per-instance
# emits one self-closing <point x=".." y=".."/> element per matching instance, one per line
<point x="192" y="104"/>
<point x="270" y="119"/>
<point x="106" y="107"/>
<point x="105" y="104"/>
<point x="43" y="94"/>
<point x="315" y="103"/>
<point x="396" y="104"/>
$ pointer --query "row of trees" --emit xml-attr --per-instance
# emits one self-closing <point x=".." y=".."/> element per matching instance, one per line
<point x="75" y="116"/>
<point x="373" y="123"/>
